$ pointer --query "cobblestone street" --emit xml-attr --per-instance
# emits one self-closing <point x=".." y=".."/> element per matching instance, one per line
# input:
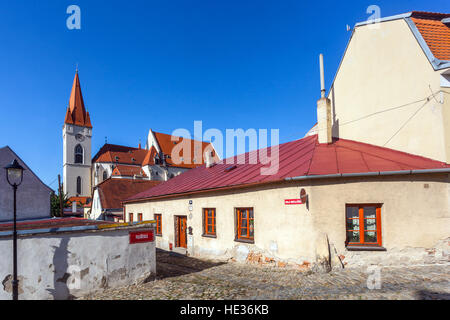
<point x="180" y="277"/>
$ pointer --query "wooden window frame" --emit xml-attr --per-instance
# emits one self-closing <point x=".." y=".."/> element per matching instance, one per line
<point x="140" y="217"/>
<point x="158" y="218"/>
<point x="362" y="244"/>
<point x="237" y="223"/>
<point x="130" y="216"/>
<point x="205" y="224"/>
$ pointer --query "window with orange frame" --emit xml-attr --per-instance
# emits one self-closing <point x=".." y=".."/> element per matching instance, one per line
<point x="209" y="222"/>
<point x="158" y="219"/>
<point x="363" y="225"/>
<point x="244" y="224"/>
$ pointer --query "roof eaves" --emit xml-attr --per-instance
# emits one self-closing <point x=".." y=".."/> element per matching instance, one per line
<point x="27" y="167"/>
<point x="374" y="173"/>
<point x="390" y="18"/>
<point x="435" y="62"/>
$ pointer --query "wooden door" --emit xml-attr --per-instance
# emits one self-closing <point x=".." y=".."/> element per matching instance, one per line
<point x="182" y="234"/>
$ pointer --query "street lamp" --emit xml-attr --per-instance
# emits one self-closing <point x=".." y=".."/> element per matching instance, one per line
<point x="14" y="175"/>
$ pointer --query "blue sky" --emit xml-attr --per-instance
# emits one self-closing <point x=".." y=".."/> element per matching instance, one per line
<point x="163" y="64"/>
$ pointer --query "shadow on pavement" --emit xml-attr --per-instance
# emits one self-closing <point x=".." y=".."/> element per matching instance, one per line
<point x="172" y="264"/>
<point x="432" y="295"/>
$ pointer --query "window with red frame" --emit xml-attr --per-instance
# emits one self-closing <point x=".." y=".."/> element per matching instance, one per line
<point x="244" y="224"/>
<point x="158" y="218"/>
<point x="140" y="217"/>
<point x="363" y="225"/>
<point x="209" y="222"/>
<point x="131" y="217"/>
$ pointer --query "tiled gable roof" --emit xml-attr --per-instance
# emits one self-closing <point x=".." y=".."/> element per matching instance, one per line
<point x="120" y="154"/>
<point x="435" y="33"/>
<point x="167" y="146"/>
<point x="113" y="191"/>
<point x="128" y="171"/>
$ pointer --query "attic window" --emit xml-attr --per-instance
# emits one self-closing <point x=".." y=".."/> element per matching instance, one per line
<point x="230" y="168"/>
<point x="116" y="158"/>
<point x="133" y="159"/>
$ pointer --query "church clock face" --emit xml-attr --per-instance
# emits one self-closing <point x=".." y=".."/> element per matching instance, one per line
<point x="79" y="137"/>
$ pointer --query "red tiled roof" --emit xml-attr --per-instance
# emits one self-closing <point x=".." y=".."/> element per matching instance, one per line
<point x="128" y="171"/>
<point x="76" y="113"/>
<point x="150" y="157"/>
<point x="109" y="152"/>
<point x="113" y="191"/>
<point x="82" y="200"/>
<point x="435" y="33"/>
<point x="167" y="145"/>
<point x="304" y="157"/>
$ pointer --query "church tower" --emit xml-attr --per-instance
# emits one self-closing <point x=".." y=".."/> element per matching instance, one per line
<point x="77" y="135"/>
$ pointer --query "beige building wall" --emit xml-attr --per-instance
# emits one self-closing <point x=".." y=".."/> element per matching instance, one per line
<point x="385" y="68"/>
<point x="415" y="214"/>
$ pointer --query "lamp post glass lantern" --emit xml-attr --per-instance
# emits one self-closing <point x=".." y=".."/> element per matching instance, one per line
<point x="14" y="175"/>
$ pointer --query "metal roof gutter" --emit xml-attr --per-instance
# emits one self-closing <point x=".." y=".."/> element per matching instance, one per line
<point x="366" y="174"/>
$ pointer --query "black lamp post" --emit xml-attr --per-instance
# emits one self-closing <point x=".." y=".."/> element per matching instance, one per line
<point x="14" y="175"/>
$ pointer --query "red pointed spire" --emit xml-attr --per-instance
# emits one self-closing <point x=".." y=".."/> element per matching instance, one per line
<point x="76" y="113"/>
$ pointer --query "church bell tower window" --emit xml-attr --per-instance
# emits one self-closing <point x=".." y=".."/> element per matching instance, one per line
<point x="78" y="154"/>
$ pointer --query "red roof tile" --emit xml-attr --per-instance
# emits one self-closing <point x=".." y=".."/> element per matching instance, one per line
<point x="82" y="200"/>
<point x="113" y="191"/>
<point x="167" y="145"/>
<point x="435" y="33"/>
<point x="128" y="171"/>
<point x="304" y="157"/>
<point x="120" y="154"/>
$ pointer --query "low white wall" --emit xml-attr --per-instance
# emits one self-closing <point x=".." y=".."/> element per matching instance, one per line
<point x="59" y="266"/>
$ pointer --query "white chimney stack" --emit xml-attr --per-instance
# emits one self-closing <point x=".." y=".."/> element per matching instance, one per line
<point x="322" y="77"/>
<point x="323" y="110"/>
<point x="208" y="158"/>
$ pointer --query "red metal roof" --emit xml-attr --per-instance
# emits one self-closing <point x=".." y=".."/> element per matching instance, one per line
<point x="435" y="33"/>
<point x="304" y="157"/>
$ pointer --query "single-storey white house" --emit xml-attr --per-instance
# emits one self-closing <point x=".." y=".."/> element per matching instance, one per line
<point x="369" y="184"/>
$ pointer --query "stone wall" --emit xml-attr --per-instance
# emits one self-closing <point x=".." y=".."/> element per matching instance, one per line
<point x="66" y="265"/>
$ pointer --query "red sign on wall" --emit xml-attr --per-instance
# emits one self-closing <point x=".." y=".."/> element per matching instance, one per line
<point x="293" y="201"/>
<point x="141" y="236"/>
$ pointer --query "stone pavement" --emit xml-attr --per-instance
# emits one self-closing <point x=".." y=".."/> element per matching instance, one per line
<point x="181" y="277"/>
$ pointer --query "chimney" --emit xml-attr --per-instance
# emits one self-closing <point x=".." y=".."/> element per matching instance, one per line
<point x="323" y="110"/>
<point x="208" y="159"/>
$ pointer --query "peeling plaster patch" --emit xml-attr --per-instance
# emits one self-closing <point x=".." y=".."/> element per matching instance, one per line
<point x="7" y="283"/>
<point x="84" y="272"/>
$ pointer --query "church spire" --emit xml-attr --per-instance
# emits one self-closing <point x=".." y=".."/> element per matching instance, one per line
<point x="76" y="112"/>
